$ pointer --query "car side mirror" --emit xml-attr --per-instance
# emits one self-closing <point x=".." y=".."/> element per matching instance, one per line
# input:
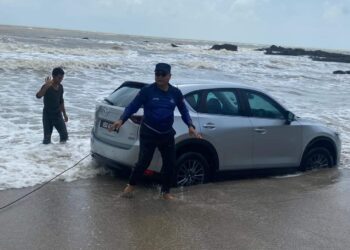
<point x="289" y="117"/>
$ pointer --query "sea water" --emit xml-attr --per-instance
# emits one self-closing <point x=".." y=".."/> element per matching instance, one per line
<point x="97" y="63"/>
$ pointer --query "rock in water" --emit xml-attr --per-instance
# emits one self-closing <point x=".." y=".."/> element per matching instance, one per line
<point x="229" y="47"/>
<point x="316" y="55"/>
<point x="341" y="72"/>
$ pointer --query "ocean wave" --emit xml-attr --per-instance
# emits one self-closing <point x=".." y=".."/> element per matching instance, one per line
<point x="193" y="64"/>
<point x="72" y="65"/>
<point x="29" y="57"/>
<point x="28" y="49"/>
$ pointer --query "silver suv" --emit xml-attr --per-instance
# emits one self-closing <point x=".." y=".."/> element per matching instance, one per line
<point x="242" y="128"/>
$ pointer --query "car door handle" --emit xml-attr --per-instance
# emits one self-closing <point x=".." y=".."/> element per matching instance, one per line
<point x="209" y="125"/>
<point x="260" y="130"/>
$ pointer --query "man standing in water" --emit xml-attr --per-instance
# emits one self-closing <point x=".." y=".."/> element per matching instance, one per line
<point x="52" y="91"/>
<point x="159" y="101"/>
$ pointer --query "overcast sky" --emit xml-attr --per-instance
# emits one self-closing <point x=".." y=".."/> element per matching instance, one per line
<point x="304" y="23"/>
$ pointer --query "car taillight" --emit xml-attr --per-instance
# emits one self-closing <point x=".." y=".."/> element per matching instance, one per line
<point x="136" y="119"/>
<point x="97" y="109"/>
<point x="148" y="172"/>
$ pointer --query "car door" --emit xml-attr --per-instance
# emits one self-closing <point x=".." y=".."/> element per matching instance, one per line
<point x="275" y="143"/>
<point x="223" y="125"/>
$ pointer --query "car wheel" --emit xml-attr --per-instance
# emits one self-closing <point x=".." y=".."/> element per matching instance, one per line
<point x="317" y="158"/>
<point x="191" y="169"/>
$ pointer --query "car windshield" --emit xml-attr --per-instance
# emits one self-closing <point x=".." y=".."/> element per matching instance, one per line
<point x="123" y="96"/>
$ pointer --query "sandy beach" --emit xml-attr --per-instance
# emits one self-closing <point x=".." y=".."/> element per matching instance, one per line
<point x="308" y="211"/>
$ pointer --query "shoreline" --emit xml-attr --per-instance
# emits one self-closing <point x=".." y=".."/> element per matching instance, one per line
<point x="189" y="40"/>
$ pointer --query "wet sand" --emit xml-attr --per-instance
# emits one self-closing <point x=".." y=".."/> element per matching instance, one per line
<point x="310" y="211"/>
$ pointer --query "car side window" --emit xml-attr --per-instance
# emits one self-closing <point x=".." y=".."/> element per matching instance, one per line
<point x="221" y="102"/>
<point x="263" y="107"/>
<point x="193" y="99"/>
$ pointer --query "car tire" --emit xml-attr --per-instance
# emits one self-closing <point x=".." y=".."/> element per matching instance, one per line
<point x="317" y="158"/>
<point x="191" y="169"/>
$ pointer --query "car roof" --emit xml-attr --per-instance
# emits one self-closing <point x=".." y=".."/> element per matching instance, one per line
<point x="200" y="84"/>
<point x="188" y="85"/>
<point x="204" y="84"/>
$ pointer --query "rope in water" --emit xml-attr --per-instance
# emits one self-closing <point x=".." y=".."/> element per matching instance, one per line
<point x="45" y="183"/>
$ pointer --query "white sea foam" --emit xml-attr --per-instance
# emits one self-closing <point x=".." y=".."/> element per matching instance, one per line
<point x="94" y="69"/>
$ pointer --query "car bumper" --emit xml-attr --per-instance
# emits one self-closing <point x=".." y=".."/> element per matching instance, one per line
<point x="111" y="163"/>
<point x="117" y="157"/>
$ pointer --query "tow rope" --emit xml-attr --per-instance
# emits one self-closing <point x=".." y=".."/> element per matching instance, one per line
<point x="42" y="185"/>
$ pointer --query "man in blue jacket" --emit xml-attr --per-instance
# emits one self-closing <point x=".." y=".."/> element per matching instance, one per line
<point x="159" y="101"/>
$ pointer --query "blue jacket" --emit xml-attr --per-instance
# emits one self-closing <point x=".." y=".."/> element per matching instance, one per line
<point x="158" y="107"/>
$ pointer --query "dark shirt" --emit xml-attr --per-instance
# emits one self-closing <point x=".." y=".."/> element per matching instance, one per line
<point x="53" y="99"/>
<point x="158" y="107"/>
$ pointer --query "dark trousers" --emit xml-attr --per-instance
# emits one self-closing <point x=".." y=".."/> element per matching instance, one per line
<point x="165" y="143"/>
<point x="54" y="120"/>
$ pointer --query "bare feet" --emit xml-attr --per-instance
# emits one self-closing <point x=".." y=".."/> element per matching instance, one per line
<point x="128" y="191"/>
<point x="167" y="196"/>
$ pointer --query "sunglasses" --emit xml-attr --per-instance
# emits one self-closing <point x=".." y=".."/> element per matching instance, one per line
<point x="160" y="73"/>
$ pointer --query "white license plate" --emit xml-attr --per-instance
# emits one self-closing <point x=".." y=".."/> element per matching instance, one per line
<point x="105" y="124"/>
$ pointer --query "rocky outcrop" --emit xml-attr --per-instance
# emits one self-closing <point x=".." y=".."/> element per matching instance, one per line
<point x="229" y="47"/>
<point x="341" y="72"/>
<point x="316" y="55"/>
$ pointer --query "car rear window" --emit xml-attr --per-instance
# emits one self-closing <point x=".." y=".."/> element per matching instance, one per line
<point x="123" y="96"/>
